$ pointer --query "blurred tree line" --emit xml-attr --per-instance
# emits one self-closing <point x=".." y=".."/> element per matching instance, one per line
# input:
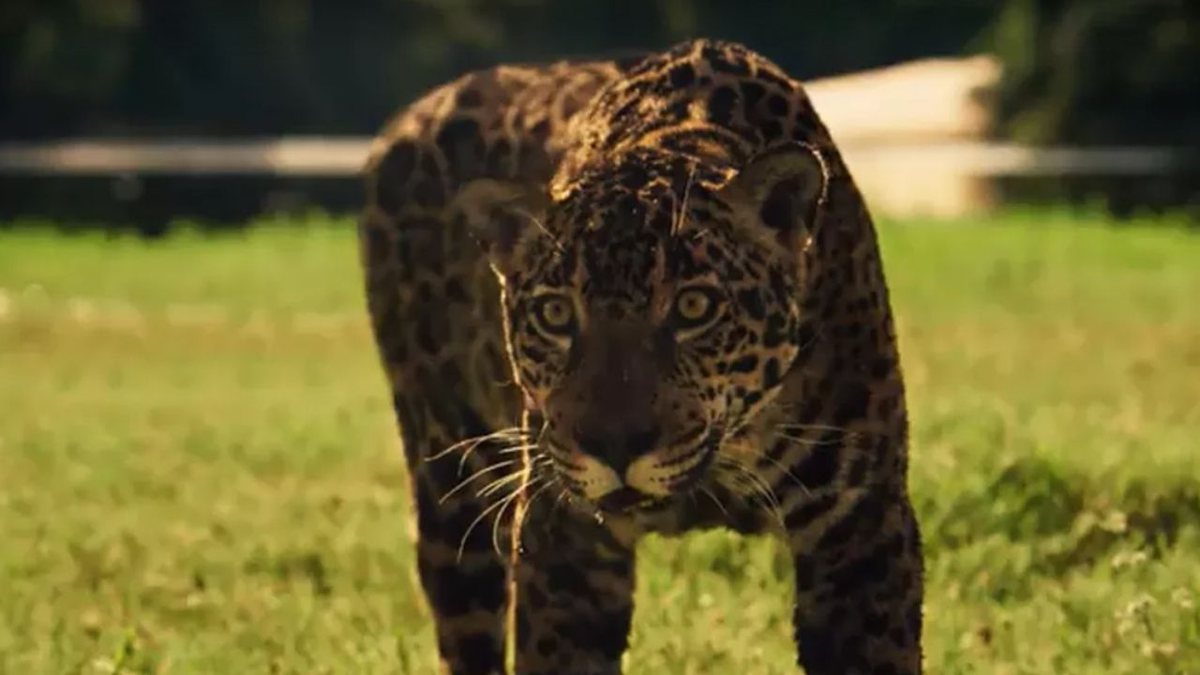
<point x="1098" y="71"/>
<point x="1085" y="71"/>
<point x="1077" y="70"/>
<point x="295" y="66"/>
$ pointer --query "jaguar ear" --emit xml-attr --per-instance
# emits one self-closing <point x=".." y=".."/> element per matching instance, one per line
<point x="781" y="192"/>
<point x="498" y="214"/>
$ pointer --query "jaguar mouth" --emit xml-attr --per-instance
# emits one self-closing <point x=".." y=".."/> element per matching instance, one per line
<point x="660" y="484"/>
<point x="627" y="499"/>
<point x="650" y="483"/>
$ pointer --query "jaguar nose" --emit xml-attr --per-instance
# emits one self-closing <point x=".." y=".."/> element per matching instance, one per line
<point x="642" y="442"/>
<point x="618" y="449"/>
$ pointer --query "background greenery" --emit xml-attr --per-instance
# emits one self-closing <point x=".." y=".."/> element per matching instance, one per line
<point x="1099" y="71"/>
<point x="199" y="472"/>
<point x="1088" y="71"/>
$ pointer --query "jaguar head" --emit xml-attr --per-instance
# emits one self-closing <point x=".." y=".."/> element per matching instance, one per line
<point x="652" y="311"/>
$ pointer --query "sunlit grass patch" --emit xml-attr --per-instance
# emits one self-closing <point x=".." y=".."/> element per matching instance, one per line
<point x="199" y="472"/>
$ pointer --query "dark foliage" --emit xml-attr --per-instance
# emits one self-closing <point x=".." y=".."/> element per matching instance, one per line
<point x="147" y="67"/>
<point x="1099" y="71"/>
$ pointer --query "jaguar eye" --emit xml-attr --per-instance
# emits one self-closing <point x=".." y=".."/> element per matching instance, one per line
<point x="555" y="314"/>
<point x="695" y="307"/>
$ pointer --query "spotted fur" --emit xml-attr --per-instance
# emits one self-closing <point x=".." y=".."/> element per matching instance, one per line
<point x="615" y="298"/>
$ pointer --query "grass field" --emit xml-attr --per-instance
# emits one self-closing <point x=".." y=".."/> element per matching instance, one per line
<point x="199" y="473"/>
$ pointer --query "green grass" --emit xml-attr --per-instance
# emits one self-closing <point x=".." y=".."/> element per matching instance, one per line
<point x="199" y="473"/>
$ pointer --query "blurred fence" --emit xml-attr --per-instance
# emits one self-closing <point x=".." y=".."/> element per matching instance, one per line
<point x="940" y="178"/>
<point x="323" y="156"/>
<point x="915" y="135"/>
<point x="298" y="156"/>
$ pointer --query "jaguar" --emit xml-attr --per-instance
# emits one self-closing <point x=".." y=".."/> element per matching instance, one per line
<point x="632" y="296"/>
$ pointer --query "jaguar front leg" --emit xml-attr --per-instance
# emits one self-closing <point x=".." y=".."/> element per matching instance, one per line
<point x="574" y="595"/>
<point x="858" y="589"/>
<point x="463" y="574"/>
